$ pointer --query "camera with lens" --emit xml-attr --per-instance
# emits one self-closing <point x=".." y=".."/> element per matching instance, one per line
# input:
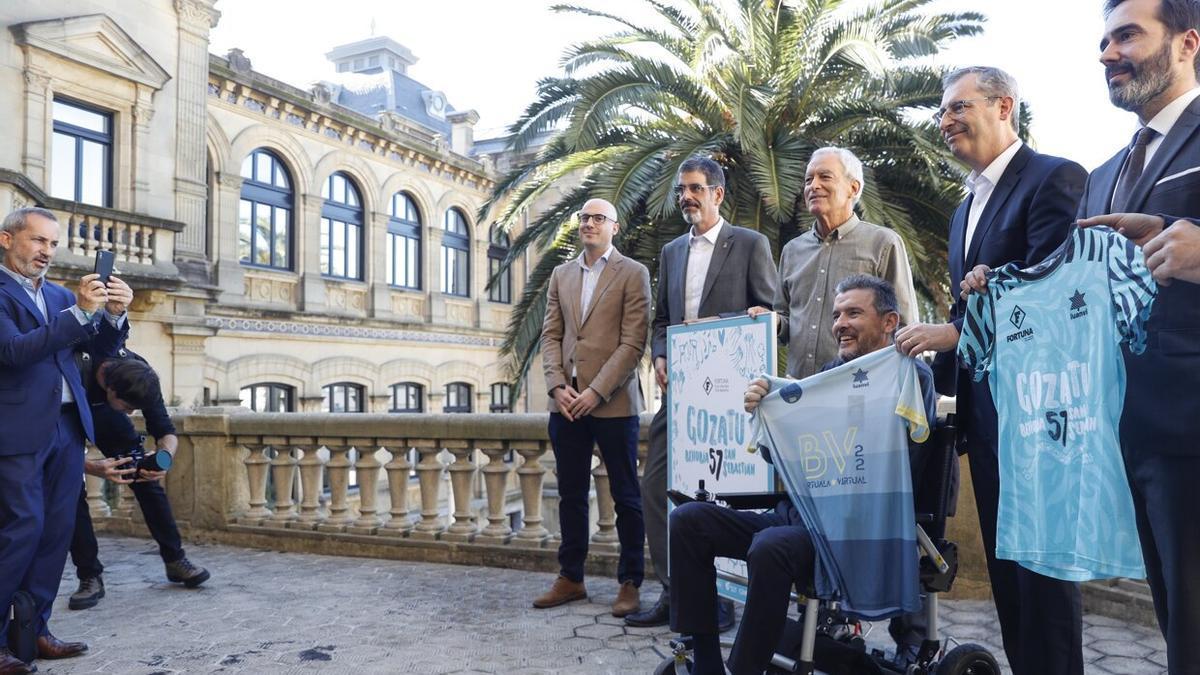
<point x="155" y="461"/>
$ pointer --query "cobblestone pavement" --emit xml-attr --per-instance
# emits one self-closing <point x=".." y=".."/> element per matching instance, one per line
<point x="270" y="612"/>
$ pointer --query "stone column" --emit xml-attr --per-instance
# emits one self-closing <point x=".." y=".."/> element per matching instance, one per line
<point x="495" y="478"/>
<point x="283" y="474"/>
<point x="256" y="474"/>
<point x="462" y="474"/>
<point x="367" y="469"/>
<point x="532" y="534"/>
<point x="196" y="18"/>
<point x="230" y="277"/>
<point x="97" y="507"/>
<point x="311" y="467"/>
<point x="37" y="123"/>
<point x="308" y="253"/>
<point x="429" y="473"/>
<point x="605" y="538"/>
<point x="188" y="338"/>
<point x="340" y="514"/>
<point x="397" y="474"/>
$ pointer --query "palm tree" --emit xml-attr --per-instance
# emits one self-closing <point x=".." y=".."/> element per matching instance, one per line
<point x="757" y="85"/>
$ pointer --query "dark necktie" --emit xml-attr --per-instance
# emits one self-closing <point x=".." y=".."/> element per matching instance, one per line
<point x="1134" y="164"/>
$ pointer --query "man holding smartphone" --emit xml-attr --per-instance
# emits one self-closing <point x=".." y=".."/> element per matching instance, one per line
<point x="44" y="415"/>
<point x="119" y="386"/>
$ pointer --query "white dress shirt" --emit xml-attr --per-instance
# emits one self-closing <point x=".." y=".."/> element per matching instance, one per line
<point x="590" y="276"/>
<point x="700" y="250"/>
<point x="981" y="186"/>
<point x="1165" y="119"/>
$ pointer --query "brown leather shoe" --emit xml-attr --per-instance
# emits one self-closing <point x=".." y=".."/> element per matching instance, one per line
<point x="628" y="600"/>
<point x="11" y="665"/>
<point x="563" y="591"/>
<point x="50" y="647"/>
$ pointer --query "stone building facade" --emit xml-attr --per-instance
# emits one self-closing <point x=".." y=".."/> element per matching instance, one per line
<point x="290" y="249"/>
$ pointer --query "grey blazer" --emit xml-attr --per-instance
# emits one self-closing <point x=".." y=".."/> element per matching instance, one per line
<point x="740" y="276"/>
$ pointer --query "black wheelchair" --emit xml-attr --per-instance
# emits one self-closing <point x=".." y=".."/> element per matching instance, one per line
<point x="825" y="639"/>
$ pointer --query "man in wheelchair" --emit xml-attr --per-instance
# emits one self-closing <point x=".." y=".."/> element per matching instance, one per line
<point x="775" y="544"/>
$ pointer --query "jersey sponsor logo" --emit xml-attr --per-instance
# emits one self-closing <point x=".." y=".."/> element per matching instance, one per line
<point x="1017" y="319"/>
<point x="860" y="379"/>
<point x="843" y="459"/>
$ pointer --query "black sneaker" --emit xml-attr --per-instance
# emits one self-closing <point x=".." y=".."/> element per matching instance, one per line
<point x="88" y="594"/>
<point x="182" y="571"/>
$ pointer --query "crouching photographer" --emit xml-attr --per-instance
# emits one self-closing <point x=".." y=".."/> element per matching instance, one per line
<point x="117" y="387"/>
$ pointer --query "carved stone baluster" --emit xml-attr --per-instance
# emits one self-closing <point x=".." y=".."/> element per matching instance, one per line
<point x="256" y="473"/>
<point x="429" y="473"/>
<point x="495" y="479"/>
<point x="605" y="538"/>
<point x="340" y="514"/>
<point x="75" y="239"/>
<point x="367" y="467"/>
<point x="397" y="474"/>
<point x="97" y="507"/>
<point x="531" y="472"/>
<point x="311" y="465"/>
<point x="148" y="246"/>
<point x="283" y="475"/>
<point x="462" y="475"/>
<point x="109" y="236"/>
<point x="123" y="504"/>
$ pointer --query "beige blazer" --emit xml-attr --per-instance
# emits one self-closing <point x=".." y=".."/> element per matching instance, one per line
<point x="606" y="344"/>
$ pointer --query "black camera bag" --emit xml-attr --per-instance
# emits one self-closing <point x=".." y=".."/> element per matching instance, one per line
<point x="22" y="627"/>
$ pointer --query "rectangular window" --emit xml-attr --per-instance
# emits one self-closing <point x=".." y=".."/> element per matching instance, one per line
<point x="81" y="154"/>
<point x="402" y="261"/>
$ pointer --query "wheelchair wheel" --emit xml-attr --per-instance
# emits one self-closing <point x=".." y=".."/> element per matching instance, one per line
<point x="968" y="659"/>
<point x="668" y="667"/>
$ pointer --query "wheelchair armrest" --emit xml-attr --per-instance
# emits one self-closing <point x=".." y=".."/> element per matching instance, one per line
<point x="744" y="501"/>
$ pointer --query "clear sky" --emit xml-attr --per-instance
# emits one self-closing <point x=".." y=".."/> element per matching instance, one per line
<point x="487" y="55"/>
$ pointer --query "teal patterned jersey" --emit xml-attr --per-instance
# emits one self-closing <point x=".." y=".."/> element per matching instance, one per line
<point x="1049" y="338"/>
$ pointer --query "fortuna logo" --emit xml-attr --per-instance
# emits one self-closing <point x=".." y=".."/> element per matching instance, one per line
<point x="860" y="379"/>
<point x="708" y="385"/>
<point x="1017" y="317"/>
<point x="1078" y="305"/>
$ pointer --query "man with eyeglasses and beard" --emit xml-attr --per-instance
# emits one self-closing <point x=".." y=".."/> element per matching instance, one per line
<point x="713" y="269"/>
<point x="1150" y="192"/>
<point x="1018" y="209"/>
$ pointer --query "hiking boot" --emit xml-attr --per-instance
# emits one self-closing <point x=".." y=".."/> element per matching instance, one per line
<point x="628" y="600"/>
<point x="88" y="594"/>
<point x="182" y="571"/>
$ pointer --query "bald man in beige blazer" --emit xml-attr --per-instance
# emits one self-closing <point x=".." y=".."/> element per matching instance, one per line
<point x="593" y="338"/>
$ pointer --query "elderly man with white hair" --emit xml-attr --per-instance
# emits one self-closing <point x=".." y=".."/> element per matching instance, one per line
<point x="835" y="247"/>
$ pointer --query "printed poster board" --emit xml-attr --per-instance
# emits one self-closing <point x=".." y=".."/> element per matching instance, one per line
<point x="709" y="365"/>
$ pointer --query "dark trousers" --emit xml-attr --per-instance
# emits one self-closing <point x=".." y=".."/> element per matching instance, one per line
<point x="1164" y="498"/>
<point x="573" y="443"/>
<point x="156" y="509"/>
<point x="654" y="495"/>
<point x="777" y="551"/>
<point x="1040" y="617"/>
<point x="37" y="512"/>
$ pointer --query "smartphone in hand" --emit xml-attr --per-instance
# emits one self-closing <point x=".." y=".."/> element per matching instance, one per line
<point x="104" y="265"/>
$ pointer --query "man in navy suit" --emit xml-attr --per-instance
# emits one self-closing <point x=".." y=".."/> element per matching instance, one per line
<point x="1018" y="210"/>
<point x="713" y="269"/>
<point x="1150" y="191"/>
<point x="44" y="413"/>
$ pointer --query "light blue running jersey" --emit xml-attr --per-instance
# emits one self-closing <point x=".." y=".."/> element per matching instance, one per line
<point x="1049" y="337"/>
<point x="838" y="440"/>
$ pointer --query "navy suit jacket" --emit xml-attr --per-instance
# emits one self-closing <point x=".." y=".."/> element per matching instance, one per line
<point x="1161" y="400"/>
<point x="1026" y="218"/>
<point x="36" y="355"/>
<point x="740" y="275"/>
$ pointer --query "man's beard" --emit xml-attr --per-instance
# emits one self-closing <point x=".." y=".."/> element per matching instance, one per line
<point x="693" y="217"/>
<point x="1148" y="80"/>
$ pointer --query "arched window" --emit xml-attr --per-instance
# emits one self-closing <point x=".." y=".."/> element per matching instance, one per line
<point x="265" y="212"/>
<point x="458" y="398"/>
<point x="341" y="228"/>
<point x="269" y="397"/>
<point x="501" y="397"/>
<point x="343" y="397"/>
<point x="408" y="397"/>
<point x="456" y="255"/>
<point x="498" y="244"/>
<point x="404" y="243"/>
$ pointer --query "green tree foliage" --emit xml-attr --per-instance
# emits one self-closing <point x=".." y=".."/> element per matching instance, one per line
<point x="757" y="85"/>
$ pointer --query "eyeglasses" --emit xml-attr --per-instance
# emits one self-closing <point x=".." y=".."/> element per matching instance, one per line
<point x="692" y="189"/>
<point x="959" y="108"/>
<point x="598" y="218"/>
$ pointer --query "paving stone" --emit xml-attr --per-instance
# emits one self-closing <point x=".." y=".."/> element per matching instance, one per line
<point x="272" y="612"/>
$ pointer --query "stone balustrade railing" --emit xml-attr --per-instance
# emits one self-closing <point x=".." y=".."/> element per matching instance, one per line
<point x="242" y="476"/>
